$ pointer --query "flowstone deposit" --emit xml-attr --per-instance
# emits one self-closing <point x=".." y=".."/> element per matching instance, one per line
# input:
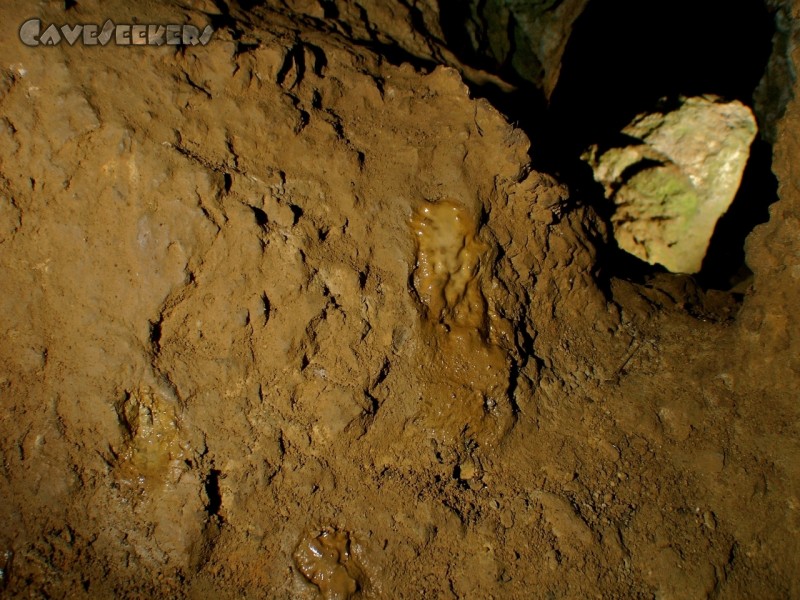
<point x="470" y="355"/>
<point x="284" y="319"/>
<point x="329" y="560"/>
<point x="448" y="264"/>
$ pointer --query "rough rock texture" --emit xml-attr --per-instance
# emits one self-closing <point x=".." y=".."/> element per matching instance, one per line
<point x="275" y="309"/>
<point x="675" y="179"/>
<point x="501" y="43"/>
<point x="525" y="39"/>
<point x="777" y="86"/>
<point x="396" y="32"/>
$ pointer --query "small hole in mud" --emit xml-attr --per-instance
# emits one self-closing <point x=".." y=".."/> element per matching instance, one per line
<point x="228" y="182"/>
<point x="155" y="333"/>
<point x="260" y="216"/>
<point x="267" y="306"/>
<point x="329" y="8"/>
<point x="297" y="212"/>
<point x="213" y="492"/>
<point x="316" y="100"/>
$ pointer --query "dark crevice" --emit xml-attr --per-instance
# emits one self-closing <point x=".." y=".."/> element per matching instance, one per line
<point x="224" y="19"/>
<point x="260" y="216"/>
<point x="320" y="60"/>
<point x="155" y="334"/>
<point x="213" y="492"/>
<point x="724" y="266"/>
<point x="297" y="212"/>
<point x="382" y="374"/>
<point x="267" y="307"/>
<point x="295" y="61"/>
<point x="374" y="405"/>
<point x="329" y="9"/>
<point x="513" y="384"/>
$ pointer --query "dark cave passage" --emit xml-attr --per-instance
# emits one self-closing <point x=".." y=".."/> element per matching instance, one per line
<point x="622" y="58"/>
<point x="625" y="55"/>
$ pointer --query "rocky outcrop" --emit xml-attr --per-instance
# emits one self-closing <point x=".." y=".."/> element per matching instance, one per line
<point x="777" y="87"/>
<point x="675" y="179"/>
<point x="524" y="39"/>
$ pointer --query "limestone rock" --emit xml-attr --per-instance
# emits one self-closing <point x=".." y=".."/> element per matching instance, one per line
<point x="677" y="177"/>
<point x="525" y="39"/>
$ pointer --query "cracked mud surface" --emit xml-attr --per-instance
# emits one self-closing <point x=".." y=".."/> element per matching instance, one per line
<point x="277" y="311"/>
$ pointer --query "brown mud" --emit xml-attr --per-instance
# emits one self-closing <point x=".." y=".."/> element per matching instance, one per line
<point x="282" y="319"/>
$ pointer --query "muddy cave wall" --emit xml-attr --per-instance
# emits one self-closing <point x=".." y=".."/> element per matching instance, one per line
<point x="213" y="339"/>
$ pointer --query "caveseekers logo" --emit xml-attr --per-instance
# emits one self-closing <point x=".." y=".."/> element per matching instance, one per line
<point x="32" y="33"/>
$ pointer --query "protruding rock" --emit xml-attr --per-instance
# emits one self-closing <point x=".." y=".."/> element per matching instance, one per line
<point x="676" y="179"/>
<point x="525" y="40"/>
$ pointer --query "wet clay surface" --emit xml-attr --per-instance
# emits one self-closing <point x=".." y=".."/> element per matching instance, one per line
<point x="327" y="560"/>
<point x="465" y="364"/>
<point x="281" y="319"/>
